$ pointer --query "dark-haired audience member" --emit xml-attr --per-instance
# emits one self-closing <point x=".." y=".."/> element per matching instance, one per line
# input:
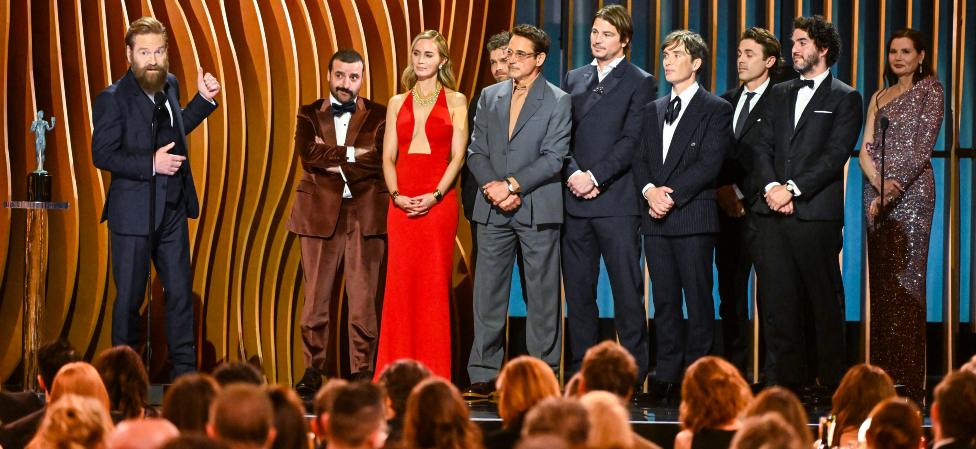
<point x="769" y="431"/>
<point x="572" y="388"/>
<point x="150" y="433"/>
<point x="522" y="383"/>
<point x="193" y="441"/>
<point x="398" y="379"/>
<point x="565" y="418"/>
<point x="862" y="388"/>
<point x="17" y="431"/>
<point x="784" y="403"/>
<point x="713" y="396"/>
<point x="610" y="367"/>
<point x="187" y="402"/>
<point x="238" y="372"/>
<point x="542" y="442"/>
<point x="127" y="383"/>
<point x="322" y="404"/>
<point x="954" y="411"/>
<point x="242" y="417"/>
<point x="437" y="418"/>
<point x="609" y="426"/>
<point x="357" y="417"/>
<point x="75" y="422"/>
<point x="896" y="423"/>
<point x="289" y="419"/>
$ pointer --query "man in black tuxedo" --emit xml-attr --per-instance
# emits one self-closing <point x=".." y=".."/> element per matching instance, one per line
<point x="809" y="130"/>
<point x="123" y="116"/>
<point x="602" y="206"/>
<point x="756" y="58"/>
<point x="684" y="139"/>
<point x="954" y="412"/>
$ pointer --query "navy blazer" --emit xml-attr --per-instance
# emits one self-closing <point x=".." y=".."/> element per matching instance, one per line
<point x="814" y="153"/>
<point x="739" y="166"/>
<point x="698" y="148"/>
<point x="606" y="129"/>
<point x="122" y="121"/>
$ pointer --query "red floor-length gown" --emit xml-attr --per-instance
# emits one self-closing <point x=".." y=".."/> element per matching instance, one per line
<point x="416" y="319"/>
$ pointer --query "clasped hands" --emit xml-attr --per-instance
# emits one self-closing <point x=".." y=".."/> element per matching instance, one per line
<point x="581" y="184"/>
<point x="892" y="190"/>
<point x="780" y="200"/>
<point x="498" y="193"/>
<point x="659" y="200"/>
<point x="360" y="152"/>
<point x="415" y="206"/>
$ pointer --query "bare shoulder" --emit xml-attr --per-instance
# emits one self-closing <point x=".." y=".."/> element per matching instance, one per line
<point x="455" y="99"/>
<point x="683" y="439"/>
<point x="395" y="102"/>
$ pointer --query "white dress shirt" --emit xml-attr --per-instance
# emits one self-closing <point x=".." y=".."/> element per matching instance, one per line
<point x="738" y="110"/>
<point x="341" y="127"/>
<point x="669" y="128"/>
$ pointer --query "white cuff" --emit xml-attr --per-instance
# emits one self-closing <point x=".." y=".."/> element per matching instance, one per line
<point x="346" y="193"/>
<point x="210" y="100"/>
<point x="770" y="186"/>
<point x="350" y="155"/>
<point x="738" y="193"/>
<point x="593" y="178"/>
<point x="343" y="175"/>
<point x="649" y="186"/>
<point x="793" y="188"/>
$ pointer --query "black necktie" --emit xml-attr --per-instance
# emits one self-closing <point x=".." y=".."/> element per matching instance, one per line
<point x="674" y="108"/>
<point x="339" y="109"/>
<point x="806" y="83"/>
<point x="743" y="114"/>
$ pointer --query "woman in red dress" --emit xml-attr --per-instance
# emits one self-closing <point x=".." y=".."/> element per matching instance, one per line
<point x="423" y="151"/>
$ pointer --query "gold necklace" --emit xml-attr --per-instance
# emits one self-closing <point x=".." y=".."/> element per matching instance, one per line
<point x="429" y="99"/>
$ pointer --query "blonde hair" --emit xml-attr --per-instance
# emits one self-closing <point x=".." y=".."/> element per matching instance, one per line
<point x="73" y="422"/>
<point x="445" y="74"/>
<point x="609" y="423"/>
<point x="712" y="394"/>
<point x="80" y="378"/>
<point x="523" y="382"/>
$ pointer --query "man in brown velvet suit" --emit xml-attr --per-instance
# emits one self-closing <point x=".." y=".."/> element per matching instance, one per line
<point x="340" y="215"/>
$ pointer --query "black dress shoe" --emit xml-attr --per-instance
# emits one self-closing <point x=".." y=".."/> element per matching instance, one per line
<point x="480" y="391"/>
<point x="665" y="394"/>
<point x="310" y="383"/>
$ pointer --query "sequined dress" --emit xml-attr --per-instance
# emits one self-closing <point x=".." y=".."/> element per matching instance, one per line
<point x="898" y="243"/>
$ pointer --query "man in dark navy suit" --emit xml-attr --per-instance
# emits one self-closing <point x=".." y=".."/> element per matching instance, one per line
<point x="123" y="116"/>
<point x="602" y="206"/>
<point x="809" y="130"/>
<point x="684" y="139"/>
<point x="756" y="58"/>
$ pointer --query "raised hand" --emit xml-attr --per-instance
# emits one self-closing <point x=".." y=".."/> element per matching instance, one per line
<point x="207" y="85"/>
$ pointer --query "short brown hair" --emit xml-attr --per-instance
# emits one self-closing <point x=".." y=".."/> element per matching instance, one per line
<point x="769" y="431"/>
<point x="765" y="39"/>
<point x="325" y="397"/>
<point x="956" y="400"/>
<point x="145" y="25"/>
<point x="437" y="417"/>
<point x="125" y="380"/>
<point x="861" y="388"/>
<point x="896" y="423"/>
<point x="399" y="378"/>
<point x="712" y="394"/>
<point x="783" y="402"/>
<point x="693" y="42"/>
<point x="242" y="413"/>
<point x="356" y="413"/>
<point x="523" y="382"/>
<point x="609" y="367"/>
<point x="498" y="40"/>
<point x="187" y="402"/>
<point x="618" y="16"/>
<point x="540" y="40"/>
<point x="563" y="417"/>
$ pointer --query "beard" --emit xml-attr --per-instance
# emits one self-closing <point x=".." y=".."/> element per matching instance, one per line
<point x="151" y="78"/>
<point x="806" y="63"/>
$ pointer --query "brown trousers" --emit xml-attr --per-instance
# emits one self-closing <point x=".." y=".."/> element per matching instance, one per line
<point x="360" y="259"/>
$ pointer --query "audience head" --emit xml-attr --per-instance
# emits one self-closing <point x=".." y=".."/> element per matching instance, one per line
<point x="816" y="45"/>
<point x="125" y="379"/>
<point x="50" y="358"/>
<point x="970" y="365"/>
<point x="683" y="56"/>
<point x="357" y="418"/>
<point x="398" y="379"/>
<point x="527" y="51"/>
<point x="611" y="33"/>
<point x="954" y="407"/>
<point x="896" y="423"/>
<point x="145" y="49"/>
<point x="289" y="419"/>
<point x="906" y="55"/>
<point x="609" y="422"/>
<point x="498" y="55"/>
<point x="542" y="442"/>
<point x="345" y="75"/>
<point x="322" y="403"/>
<point x="242" y="417"/>
<point x="608" y="366"/>
<point x="150" y="433"/>
<point x="187" y="402"/>
<point x="429" y="58"/>
<point x="522" y="383"/>
<point x="73" y="422"/>
<point x="437" y="418"/>
<point x="783" y="402"/>
<point x="82" y="379"/>
<point x="238" y="372"/>
<point x="768" y="431"/>
<point x="713" y="394"/>
<point x="194" y="441"/>
<point x="565" y="418"/>
<point x="861" y="388"/>
<point x="572" y="389"/>
<point x="757" y="56"/>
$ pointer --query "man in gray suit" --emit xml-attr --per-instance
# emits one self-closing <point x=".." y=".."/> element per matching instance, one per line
<point x="518" y="144"/>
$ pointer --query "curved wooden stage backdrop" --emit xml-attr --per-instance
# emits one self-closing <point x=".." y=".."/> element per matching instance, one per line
<point x="271" y="56"/>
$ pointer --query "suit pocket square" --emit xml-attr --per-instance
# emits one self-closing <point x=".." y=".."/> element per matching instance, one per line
<point x="824" y="112"/>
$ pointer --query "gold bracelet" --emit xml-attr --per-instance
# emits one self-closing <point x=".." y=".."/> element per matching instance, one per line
<point x="394" y="195"/>
<point x="438" y="195"/>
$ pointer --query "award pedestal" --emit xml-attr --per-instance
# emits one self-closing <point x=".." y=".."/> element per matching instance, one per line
<point x="35" y="282"/>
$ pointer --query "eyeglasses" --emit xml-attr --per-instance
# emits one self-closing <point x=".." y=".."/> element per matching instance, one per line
<point x="518" y="55"/>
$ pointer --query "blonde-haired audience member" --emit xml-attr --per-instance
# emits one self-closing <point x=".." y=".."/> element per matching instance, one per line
<point x="522" y="383"/>
<point x="609" y="422"/>
<point x="565" y="418"/>
<point x="74" y="422"/>
<point x="713" y="397"/>
<point x="82" y="379"/>
<point x="769" y="431"/>
<point x="783" y="402"/>
<point x="896" y="423"/>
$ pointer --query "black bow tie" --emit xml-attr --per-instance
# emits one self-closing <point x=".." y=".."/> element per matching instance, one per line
<point x="674" y="108"/>
<point x="339" y="109"/>
<point x="806" y="83"/>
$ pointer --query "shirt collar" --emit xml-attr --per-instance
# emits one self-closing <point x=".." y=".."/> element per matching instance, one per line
<point x="759" y="90"/>
<point x="687" y="95"/>
<point x="528" y="83"/>
<point x="612" y="65"/>
<point x="817" y="79"/>
<point x="333" y="100"/>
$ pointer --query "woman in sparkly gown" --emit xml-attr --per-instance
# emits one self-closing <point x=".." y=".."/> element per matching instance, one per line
<point x="423" y="151"/>
<point x="899" y="226"/>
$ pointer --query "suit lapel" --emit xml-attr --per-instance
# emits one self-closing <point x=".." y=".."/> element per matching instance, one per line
<point x="504" y="105"/>
<point x="818" y="97"/>
<point x="355" y="122"/>
<point x="686" y="128"/>
<point x="533" y="101"/>
<point x="177" y="111"/>
<point x="754" y="115"/>
<point x="794" y="88"/>
<point x="143" y="104"/>
<point x="602" y="90"/>
<point x="327" y="122"/>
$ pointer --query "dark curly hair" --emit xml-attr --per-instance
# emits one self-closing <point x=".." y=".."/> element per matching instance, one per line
<point x="540" y="40"/>
<point x="125" y="379"/>
<point x="823" y="34"/>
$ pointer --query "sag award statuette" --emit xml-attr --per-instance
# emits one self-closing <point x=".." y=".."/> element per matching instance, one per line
<point x="35" y="276"/>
